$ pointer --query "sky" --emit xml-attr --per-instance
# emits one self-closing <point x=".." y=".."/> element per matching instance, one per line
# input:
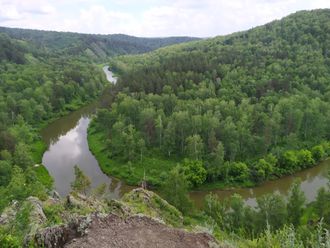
<point x="149" y="18"/>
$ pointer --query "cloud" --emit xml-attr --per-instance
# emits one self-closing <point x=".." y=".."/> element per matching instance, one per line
<point x="149" y="17"/>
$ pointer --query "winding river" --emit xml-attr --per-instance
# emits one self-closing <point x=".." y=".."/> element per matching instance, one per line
<point x="66" y="139"/>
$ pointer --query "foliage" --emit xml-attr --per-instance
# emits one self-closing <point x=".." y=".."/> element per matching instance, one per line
<point x="194" y="172"/>
<point x="295" y="205"/>
<point x="258" y="93"/>
<point x="81" y="182"/>
<point x="175" y="190"/>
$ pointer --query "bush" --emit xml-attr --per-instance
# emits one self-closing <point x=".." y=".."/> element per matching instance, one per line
<point x="305" y="159"/>
<point x="318" y="153"/>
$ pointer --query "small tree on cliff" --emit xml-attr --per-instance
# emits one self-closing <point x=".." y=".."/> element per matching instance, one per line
<point x="81" y="182"/>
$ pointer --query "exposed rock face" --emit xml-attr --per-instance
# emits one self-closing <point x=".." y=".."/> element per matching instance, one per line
<point x="58" y="236"/>
<point x="9" y="213"/>
<point x="140" y="219"/>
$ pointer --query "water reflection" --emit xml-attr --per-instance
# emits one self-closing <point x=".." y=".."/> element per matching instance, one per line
<point x="311" y="181"/>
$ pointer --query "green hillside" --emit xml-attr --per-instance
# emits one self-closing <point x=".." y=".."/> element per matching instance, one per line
<point x="93" y="46"/>
<point x="249" y="107"/>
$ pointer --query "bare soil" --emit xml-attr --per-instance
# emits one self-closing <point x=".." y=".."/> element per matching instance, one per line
<point x="138" y="232"/>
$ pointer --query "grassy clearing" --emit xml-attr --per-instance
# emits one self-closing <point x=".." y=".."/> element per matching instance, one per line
<point x="132" y="173"/>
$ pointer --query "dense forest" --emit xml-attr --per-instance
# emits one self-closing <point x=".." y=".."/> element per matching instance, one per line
<point x="94" y="47"/>
<point x="226" y="111"/>
<point x="44" y="75"/>
<point x="237" y="109"/>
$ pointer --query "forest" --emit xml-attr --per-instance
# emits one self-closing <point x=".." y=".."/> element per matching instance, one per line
<point x="97" y="48"/>
<point x="234" y="110"/>
<point x="41" y="78"/>
<point x="230" y="110"/>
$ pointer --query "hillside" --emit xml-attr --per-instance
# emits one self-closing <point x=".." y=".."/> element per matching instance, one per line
<point x="250" y="106"/>
<point x="93" y="46"/>
<point x="44" y="75"/>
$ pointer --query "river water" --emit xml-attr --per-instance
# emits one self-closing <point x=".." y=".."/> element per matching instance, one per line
<point x="67" y="146"/>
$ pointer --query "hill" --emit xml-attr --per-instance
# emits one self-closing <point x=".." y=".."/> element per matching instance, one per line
<point x="250" y="106"/>
<point x="97" y="47"/>
<point x="44" y="75"/>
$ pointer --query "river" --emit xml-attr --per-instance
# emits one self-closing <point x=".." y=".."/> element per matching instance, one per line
<point x="66" y="139"/>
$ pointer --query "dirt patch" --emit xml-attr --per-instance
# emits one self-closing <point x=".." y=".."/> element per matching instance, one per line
<point x="138" y="232"/>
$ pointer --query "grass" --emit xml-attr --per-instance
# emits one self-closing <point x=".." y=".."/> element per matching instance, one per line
<point x="149" y="203"/>
<point x="44" y="177"/>
<point x="132" y="173"/>
<point x="38" y="148"/>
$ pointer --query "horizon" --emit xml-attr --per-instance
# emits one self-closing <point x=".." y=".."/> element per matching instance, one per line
<point x="149" y="18"/>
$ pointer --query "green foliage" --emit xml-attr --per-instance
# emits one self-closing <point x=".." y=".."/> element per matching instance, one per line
<point x="194" y="147"/>
<point x="318" y="152"/>
<point x="22" y="156"/>
<point x="95" y="47"/>
<point x="53" y="213"/>
<point x="175" y="190"/>
<point x="272" y="211"/>
<point x="81" y="182"/>
<point x="5" y="172"/>
<point x="149" y="203"/>
<point x="295" y="205"/>
<point x="263" y="170"/>
<point x="100" y="190"/>
<point x="43" y="176"/>
<point x="238" y="171"/>
<point x="305" y="159"/>
<point x="194" y="172"/>
<point x="259" y="92"/>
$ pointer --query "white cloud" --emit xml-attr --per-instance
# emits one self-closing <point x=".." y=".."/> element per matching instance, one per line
<point x="149" y="17"/>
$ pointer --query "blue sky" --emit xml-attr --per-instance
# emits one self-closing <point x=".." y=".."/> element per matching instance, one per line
<point x="150" y="18"/>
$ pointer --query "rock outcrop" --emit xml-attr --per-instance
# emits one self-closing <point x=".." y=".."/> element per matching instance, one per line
<point x="140" y="219"/>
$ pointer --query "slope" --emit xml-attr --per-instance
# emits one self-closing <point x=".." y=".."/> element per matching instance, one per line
<point x="250" y="106"/>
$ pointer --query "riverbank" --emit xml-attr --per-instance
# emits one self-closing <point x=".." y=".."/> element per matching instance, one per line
<point x="131" y="173"/>
<point x="39" y="147"/>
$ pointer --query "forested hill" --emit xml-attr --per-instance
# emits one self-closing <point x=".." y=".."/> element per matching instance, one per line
<point x="251" y="106"/>
<point x="94" y="46"/>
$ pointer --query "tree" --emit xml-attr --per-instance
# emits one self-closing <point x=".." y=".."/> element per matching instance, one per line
<point x="271" y="211"/>
<point x="305" y="159"/>
<point x="238" y="171"/>
<point x="217" y="161"/>
<point x="318" y="153"/>
<point x="194" y="146"/>
<point x="263" y="170"/>
<point x="5" y="172"/>
<point x="175" y="190"/>
<point x="100" y="190"/>
<point x="217" y="209"/>
<point x="81" y="182"/>
<point x="169" y="138"/>
<point x="22" y="156"/>
<point x="141" y="146"/>
<point x="295" y="205"/>
<point x="236" y="215"/>
<point x="194" y="172"/>
<point x="289" y="161"/>
<point x="322" y="204"/>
